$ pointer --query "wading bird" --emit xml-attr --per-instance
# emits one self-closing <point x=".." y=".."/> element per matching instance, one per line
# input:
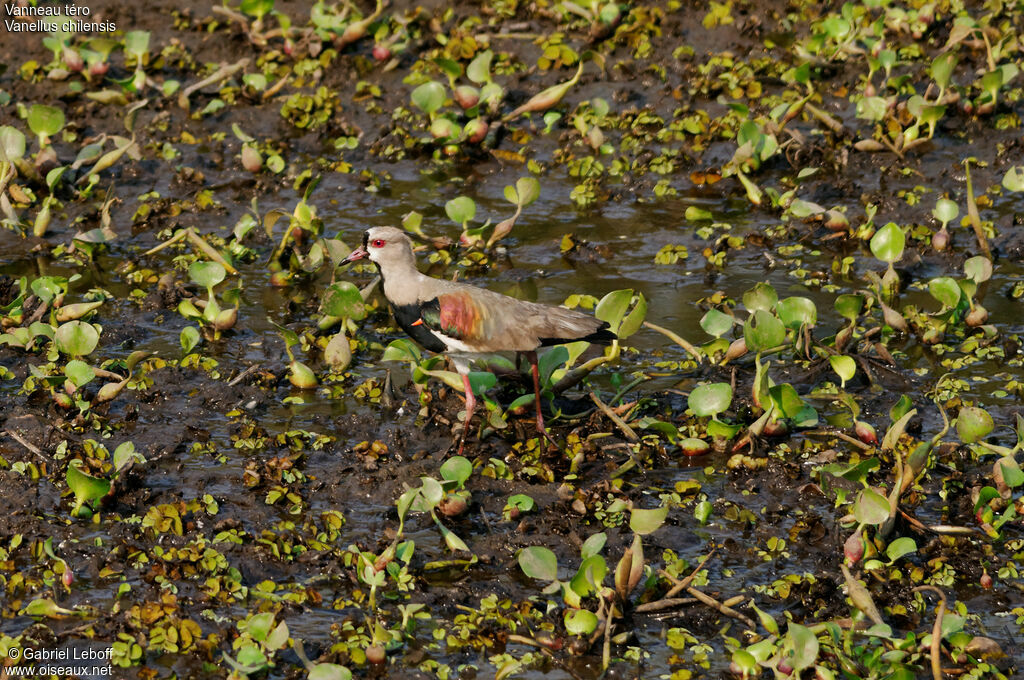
<point x="462" y="320"/>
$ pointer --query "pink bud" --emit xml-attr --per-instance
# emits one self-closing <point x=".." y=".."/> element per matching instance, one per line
<point x="73" y="60"/>
<point x="68" y="577"/>
<point x="98" y="68"/>
<point x="854" y="548"/>
<point x="865" y="432"/>
<point x="381" y="52"/>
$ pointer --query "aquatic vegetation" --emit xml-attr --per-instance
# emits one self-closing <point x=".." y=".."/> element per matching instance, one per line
<point x="221" y="457"/>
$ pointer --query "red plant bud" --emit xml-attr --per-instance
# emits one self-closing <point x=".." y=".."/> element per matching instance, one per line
<point x="251" y="158"/>
<point x="98" y="68"/>
<point x="976" y="317"/>
<point x="452" y="505"/>
<point x="375" y="654"/>
<point x="289" y="47"/>
<point x="865" y="432"/>
<point x="381" y="52"/>
<point x="476" y="130"/>
<point x="854" y="548"/>
<point x="836" y="221"/>
<point x="776" y="428"/>
<point x="986" y="580"/>
<point x="940" y="240"/>
<point x="466" y="96"/>
<point x="73" y="60"/>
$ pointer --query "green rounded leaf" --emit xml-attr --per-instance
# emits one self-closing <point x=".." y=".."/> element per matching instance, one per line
<point x="945" y="210"/>
<point x="456" y="469"/>
<point x="207" y="274"/>
<point x="900" y="547"/>
<point x="429" y="97"/>
<point x="716" y="323"/>
<point x="479" y="70"/>
<point x="79" y="372"/>
<point x="45" y="120"/>
<point x="343" y="299"/>
<point x="978" y="269"/>
<point x="796" y="312"/>
<point x="762" y="330"/>
<point x="189" y="338"/>
<point x="644" y="522"/>
<point x="762" y="296"/>
<point x="1013" y="180"/>
<point x="12" y="143"/>
<point x="538" y="562"/>
<point x="844" y="366"/>
<point x="580" y="621"/>
<point x="710" y="400"/>
<point x="849" y="305"/>
<point x="86" y="488"/>
<point x="945" y="290"/>
<point x="76" y="338"/>
<point x="973" y="424"/>
<point x="329" y="671"/>
<point x="592" y="545"/>
<point x="460" y="210"/>
<point x="871" y="507"/>
<point x="888" y="242"/>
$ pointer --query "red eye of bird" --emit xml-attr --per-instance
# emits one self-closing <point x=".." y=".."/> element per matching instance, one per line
<point x="377" y="243"/>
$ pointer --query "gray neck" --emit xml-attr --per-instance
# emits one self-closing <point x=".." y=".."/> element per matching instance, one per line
<point x="402" y="281"/>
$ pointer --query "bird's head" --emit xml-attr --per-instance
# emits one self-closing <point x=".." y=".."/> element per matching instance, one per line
<point x="383" y="246"/>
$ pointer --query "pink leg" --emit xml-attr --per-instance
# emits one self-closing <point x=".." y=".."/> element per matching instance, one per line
<point x="470" y="407"/>
<point x="535" y="370"/>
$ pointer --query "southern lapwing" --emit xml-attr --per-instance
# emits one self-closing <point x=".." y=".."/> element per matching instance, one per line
<point x="462" y="320"/>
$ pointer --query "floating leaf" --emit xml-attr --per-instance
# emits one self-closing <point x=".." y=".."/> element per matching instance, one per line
<point x="643" y="522"/>
<point x="207" y="274"/>
<point x="978" y="269"/>
<point x="189" y="338"/>
<point x="716" y="323"/>
<point x="844" y="366"/>
<point x="593" y="545"/>
<point x="761" y="297"/>
<point x="456" y="469"/>
<point x="479" y="70"/>
<point x="802" y="645"/>
<point x="538" y="562"/>
<point x="797" y="312"/>
<point x="429" y="97"/>
<point x="76" y="338"/>
<point x="79" y="372"/>
<point x="973" y="424"/>
<point x="12" y="143"/>
<point x="87" y="489"/>
<point x="945" y="290"/>
<point x="460" y="210"/>
<point x="888" y="242"/>
<point x="329" y="671"/>
<point x="900" y="408"/>
<point x="762" y="330"/>
<point x="900" y="547"/>
<point x="849" y="305"/>
<point x="343" y="299"/>
<point x="870" y="507"/>
<point x="580" y="621"/>
<point x="45" y="120"/>
<point x="945" y="210"/>
<point x="710" y="400"/>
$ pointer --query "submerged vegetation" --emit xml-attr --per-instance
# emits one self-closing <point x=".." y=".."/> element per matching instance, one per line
<point x="801" y="457"/>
